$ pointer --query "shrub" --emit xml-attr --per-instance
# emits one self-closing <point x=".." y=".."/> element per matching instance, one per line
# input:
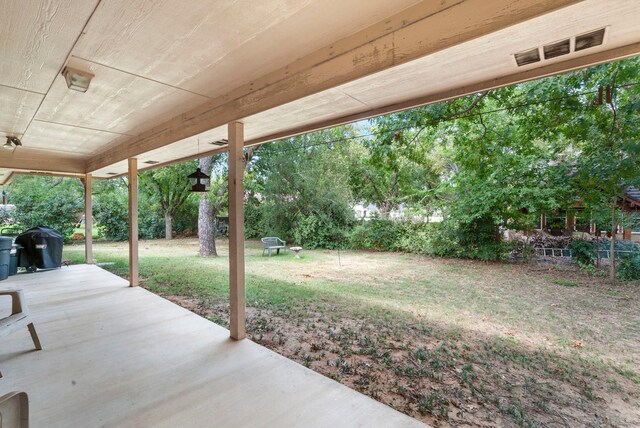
<point x="379" y="235"/>
<point x="480" y="239"/>
<point x="629" y="268"/>
<point x="151" y="225"/>
<point x="112" y="213"/>
<point x="582" y="251"/>
<point x="444" y="239"/>
<point x="47" y="201"/>
<point x="319" y="231"/>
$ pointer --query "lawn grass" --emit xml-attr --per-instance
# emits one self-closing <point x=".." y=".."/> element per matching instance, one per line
<point x="448" y="341"/>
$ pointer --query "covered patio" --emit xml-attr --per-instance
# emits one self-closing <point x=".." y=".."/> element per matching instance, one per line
<point x="121" y="356"/>
<point x="106" y="88"/>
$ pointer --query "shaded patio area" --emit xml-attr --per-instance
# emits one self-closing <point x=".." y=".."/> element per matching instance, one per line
<point x="121" y="356"/>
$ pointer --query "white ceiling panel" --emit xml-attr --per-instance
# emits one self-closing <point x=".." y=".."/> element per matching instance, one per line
<point x="36" y="38"/>
<point x="112" y="170"/>
<point x="17" y="107"/>
<point x="116" y="101"/>
<point x="312" y="109"/>
<point x="72" y="141"/>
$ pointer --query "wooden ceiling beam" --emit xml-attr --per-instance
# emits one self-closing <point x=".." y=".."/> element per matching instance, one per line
<point x="418" y="31"/>
<point x="23" y="159"/>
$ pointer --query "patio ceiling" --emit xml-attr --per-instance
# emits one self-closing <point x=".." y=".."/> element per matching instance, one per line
<point x="170" y="74"/>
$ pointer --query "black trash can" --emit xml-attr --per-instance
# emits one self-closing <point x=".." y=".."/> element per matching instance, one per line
<point x="5" y="256"/>
<point x="41" y="248"/>
<point x="15" y="257"/>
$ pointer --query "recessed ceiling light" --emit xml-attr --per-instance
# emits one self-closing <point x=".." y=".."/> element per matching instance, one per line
<point x="77" y="80"/>
<point x="112" y="173"/>
<point x="151" y="162"/>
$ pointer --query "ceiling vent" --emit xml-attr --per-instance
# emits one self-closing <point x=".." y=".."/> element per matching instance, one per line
<point x="222" y="142"/>
<point x="563" y="47"/>
<point x="590" y="40"/>
<point x="528" y="57"/>
<point x="151" y="162"/>
<point x="557" y="49"/>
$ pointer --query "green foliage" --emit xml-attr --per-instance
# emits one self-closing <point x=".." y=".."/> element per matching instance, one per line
<point x="47" y="201"/>
<point x="444" y="239"/>
<point x="166" y="192"/>
<point x="298" y="190"/>
<point x="111" y="208"/>
<point x="7" y="215"/>
<point x="582" y="251"/>
<point x="629" y="268"/>
<point x="479" y="239"/>
<point x="320" y="231"/>
<point x="379" y="235"/>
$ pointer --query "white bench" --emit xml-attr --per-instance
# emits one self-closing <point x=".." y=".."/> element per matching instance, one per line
<point x="19" y="317"/>
<point x="273" y="243"/>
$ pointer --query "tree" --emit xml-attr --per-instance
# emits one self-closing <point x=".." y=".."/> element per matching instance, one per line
<point x="213" y="202"/>
<point x="302" y="187"/>
<point x="169" y="187"/>
<point x="389" y="175"/>
<point x="208" y="208"/>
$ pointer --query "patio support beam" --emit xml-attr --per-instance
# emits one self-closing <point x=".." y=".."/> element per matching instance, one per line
<point x="134" y="279"/>
<point x="236" y="230"/>
<point x="88" y="219"/>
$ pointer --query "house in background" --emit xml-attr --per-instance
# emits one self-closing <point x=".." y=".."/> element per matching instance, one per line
<point x="579" y="220"/>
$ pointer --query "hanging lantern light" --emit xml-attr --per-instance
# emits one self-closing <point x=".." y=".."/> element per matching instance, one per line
<point x="199" y="181"/>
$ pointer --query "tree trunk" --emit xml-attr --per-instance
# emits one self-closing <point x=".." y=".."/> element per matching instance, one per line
<point x="168" y="229"/>
<point x="612" y="247"/>
<point x="206" y="232"/>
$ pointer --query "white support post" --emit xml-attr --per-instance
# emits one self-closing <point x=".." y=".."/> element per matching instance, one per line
<point x="134" y="278"/>
<point x="88" y="219"/>
<point x="236" y="231"/>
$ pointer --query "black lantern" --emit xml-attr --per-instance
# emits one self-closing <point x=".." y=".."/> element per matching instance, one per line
<point x="199" y="181"/>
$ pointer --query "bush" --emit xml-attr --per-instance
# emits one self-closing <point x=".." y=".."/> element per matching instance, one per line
<point x="444" y="239"/>
<point x="150" y="225"/>
<point x="112" y="213"/>
<point x="379" y="235"/>
<point x="319" y="231"/>
<point x="480" y="239"/>
<point x="582" y="251"/>
<point x="629" y="268"/>
<point x="47" y="201"/>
